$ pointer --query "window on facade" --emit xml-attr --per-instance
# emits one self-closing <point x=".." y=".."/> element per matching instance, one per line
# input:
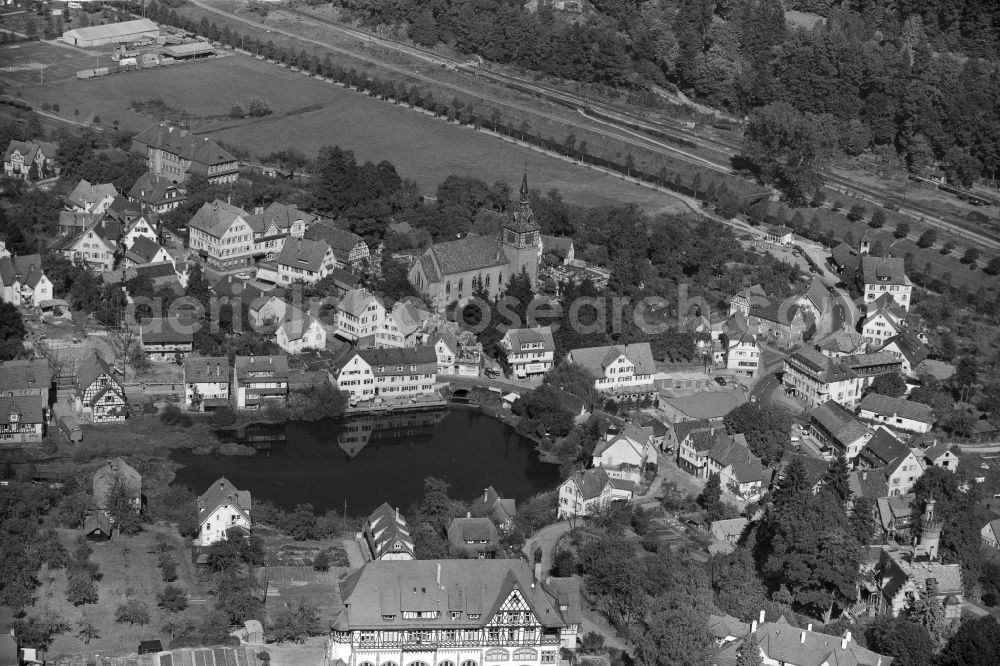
<point x="496" y="654"/>
<point x="525" y="654"/>
<point x="469" y="662"/>
<point x="548" y="657"/>
<point x="388" y="663"/>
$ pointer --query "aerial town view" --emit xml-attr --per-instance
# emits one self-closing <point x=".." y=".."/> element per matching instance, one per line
<point x="500" y="333"/>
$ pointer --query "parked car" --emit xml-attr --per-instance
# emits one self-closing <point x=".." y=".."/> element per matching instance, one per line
<point x="491" y="373"/>
<point x="721" y="381"/>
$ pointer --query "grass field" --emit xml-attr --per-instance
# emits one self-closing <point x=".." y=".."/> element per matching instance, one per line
<point x="126" y="574"/>
<point x="310" y="113"/>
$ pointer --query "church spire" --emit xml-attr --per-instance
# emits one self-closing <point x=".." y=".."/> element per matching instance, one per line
<point x="524" y="186"/>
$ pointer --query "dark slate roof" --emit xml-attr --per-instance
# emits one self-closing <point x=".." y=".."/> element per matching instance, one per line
<point x="385" y="528"/>
<point x="214" y="218"/>
<point x="910" y="346"/>
<point x="591" y="482"/>
<point x="785" y="644"/>
<point x="845" y="257"/>
<point x="883" y="449"/>
<point x="31" y="374"/>
<point x="151" y="189"/>
<point x="166" y="330"/>
<point x="143" y="250"/>
<point x="463" y="530"/>
<point x="884" y="405"/>
<point x="85" y="193"/>
<point x="468" y="254"/>
<point x="179" y="142"/>
<point x="596" y="359"/>
<point x="29" y="408"/>
<point x="282" y="216"/>
<point x="223" y="493"/>
<point x="883" y="270"/>
<point x="26" y="269"/>
<point x="842" y="341"/>
<point x="840" y="423"/>
<point x="558" y="245"/>
<point x="340" y="240"/>
<point x="91" y="368"/>
<point x="870" y="483"/>
<point x="774" y="309"/>
<point x="303" y="253"/>
<point x="384" y="362"/>
<point x="520" y="219"/>
<point x="275" y="364"/>
<point x="518" y="337"/>
<point x="205" y="369"/>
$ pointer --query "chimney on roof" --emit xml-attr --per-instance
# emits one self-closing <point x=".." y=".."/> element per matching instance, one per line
<point x="538" y="573"/>
<point x="864" y="475"/>
<point x="486" y="493"/>
<point x="845" y="640"/>
<point x="762" y="616"/>
<point x="809" y="627"/>
<point x="222" y="484"/>
<point x="802" y="637"/>
<point x="218" y="370"/>
<point x="468" y="514"/>
<point x="251" y="359"/>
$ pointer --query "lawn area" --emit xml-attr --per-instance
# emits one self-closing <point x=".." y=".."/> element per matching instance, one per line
<point x="840" y="226"/>
<point x="310" y="113"/>
<point x="128" y="569"/>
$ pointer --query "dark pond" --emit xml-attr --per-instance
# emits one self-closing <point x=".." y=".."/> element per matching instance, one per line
<point x="375" y="459"/>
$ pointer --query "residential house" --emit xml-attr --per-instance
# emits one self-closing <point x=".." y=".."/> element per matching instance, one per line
<point x="779" y="235"/>
<point x="530" y="351"/>
<point x="780" y="643"/>
<point x="461" y="355"/>
<point x="23" y="282"/>
<point x="652" y="424"/>
<point x="845" y="260"/>
<point x="473" y="537"/>
<point x="455" y="611"/>
<point x="781" y="320"/>
<point x="503" y="511"/>
<point x="814" y="378"/>
<point x="260" y="380"/>
<point x="902" y="466"/>
<point x="303" y="260"/>
<point x="908" y="348"/>
<point x="694" y="439"/>
<point x="838" y="430"/>
<point x="27" y="377"/>
<point x="897" y="413"/>
<point x="272" y="227"/>
<point x="742" y="354"/>
<point x="620" y="370"/>
<point x="391" y="372"/>
<point x="144" y="251"/>
<point x="882" y="325"/>
<point x="220" y="233"/>
<point x="173" y="152"/>
<point x="726" y="534"/>
<point x="726" y="628"/>
<point x="886" y="275"/>
<point x="163" y="275"/>
<point x="627" y="455"/>
<point x="940" y="455"/>
<point x="123" y="211"/>
<point x="89" y="197"/>
<point x="896" y="515"/>
<point x="866" y="483"/>
<point x="560" y="247"/>
<point x="23" y="418"/>
<point x="991" y="534"/>
<point x="167" y="339"/>
<point x="904" y="573"/>
<point x="156" y="194"/>
<point x="206" y="382"/>
<point x="73" y="223"/>
<point x="744" y="300"/>
<point x="842" y="342"/>
<point x="363" y="318"/>
<point x="29" y="160"/>
<point x="588" y="491"/>
<point x="114" y="471"/>
<point x="95" y="248"/>
<point x="143" y="226"/>
<point x="349" y="250"/>
<point x="740" y="471"/>
<point x="388" y="535"/>
<point x="99" y="395"/>
<point x="300" y="332"/>
<point x="221" y="508"/>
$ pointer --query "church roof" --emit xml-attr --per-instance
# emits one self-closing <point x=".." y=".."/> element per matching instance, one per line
<point x="468" y="254"/>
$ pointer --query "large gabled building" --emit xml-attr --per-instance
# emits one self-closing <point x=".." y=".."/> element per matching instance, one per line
<point x="886" y="275"/>
<point x="392" y="372"/>
<point x="221" y="234"/>
<point x="622" y="370"/>
<point x="450" y="612"/>
<point x="387" y="535"/>
<point x="175" y="153"/>
<point x="349" y="249"/>
<point x="446" y="271"/>
<point x="303" y="260"/>
<point x="222" y="508"/>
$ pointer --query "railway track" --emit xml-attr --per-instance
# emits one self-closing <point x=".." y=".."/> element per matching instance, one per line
<point x="625" y="120"/>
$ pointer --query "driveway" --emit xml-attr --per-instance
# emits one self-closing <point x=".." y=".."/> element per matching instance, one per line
<point x="545" y="540"/>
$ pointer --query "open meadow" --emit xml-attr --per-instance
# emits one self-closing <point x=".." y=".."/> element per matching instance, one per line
<point x="309" y="113"/>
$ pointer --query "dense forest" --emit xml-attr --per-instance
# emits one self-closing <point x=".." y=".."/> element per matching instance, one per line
<point x="919" y="77"/>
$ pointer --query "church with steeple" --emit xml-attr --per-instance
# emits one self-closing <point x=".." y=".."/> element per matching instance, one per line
<point x="445" y="271"/>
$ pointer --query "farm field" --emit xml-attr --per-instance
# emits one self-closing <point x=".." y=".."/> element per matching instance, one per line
<point x="310" y="113"/>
